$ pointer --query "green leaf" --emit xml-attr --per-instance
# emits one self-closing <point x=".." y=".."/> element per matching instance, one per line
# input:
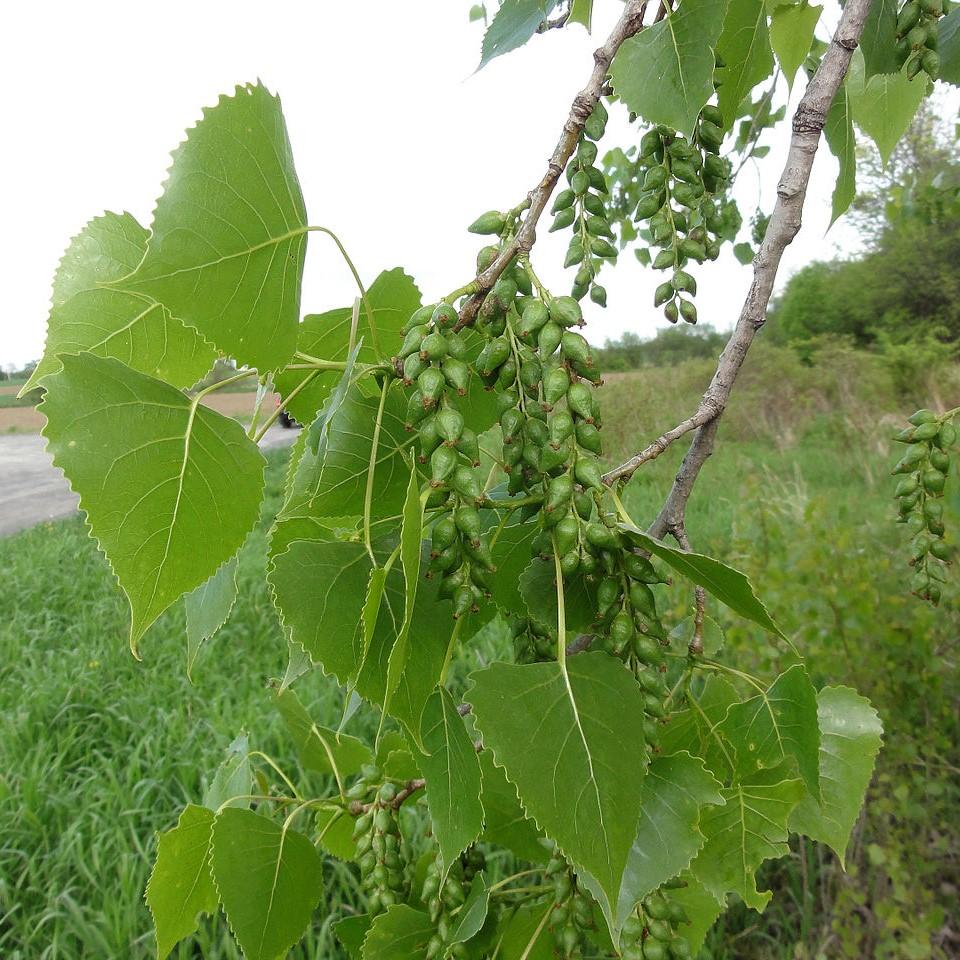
<point x="702" y="908"/>
<point x="399" y="933"/>
<point x="665" y="72"/>
<point x="838" y="131"/>
<point x="270" y="881"/>
<point x="208" y="607"/>
<point x="114" y="323"/>
<point x="512" y="26"/>
<point x="351" y="931"/>
<point x="319" y="747"/>
<point x="233" y="781"/>
<point x="473" y="913"/>
<point x="878" y="40"/>
<point x="538" y="587"/>
<point x="949" y="46"/>
<point x="170" y="488"/>
<point x="743" y="252"/>
<point x="181" y="887"/>
<point x="675" y="792"/>
<point x="558" y="736"/>
<point x="729" y="586"/>
<point x="335" y="833"/>
<point x="370" y="612"/>
<point x="525" y="934"/>
<point x="744" y="46"/>
<point x="750" y="828"/>
<point x="392" y="298"/>
<point x="581" y="11"/>
<point x="411" y="538"/>
<point x="331" y="478"/>
<point x="298" y="663"/>
<point x="791" y="34"/>
<point x="505" y="823"/>
<point x="452" y="771"/>
<point x="884" y="106"/>
<point x="229" y="232"/>
<point x="779" y="723"/>
<point x="851" y="734"/>
<point x="511" y="555"/>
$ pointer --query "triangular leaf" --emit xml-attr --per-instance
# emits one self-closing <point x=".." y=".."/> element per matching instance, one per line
<point x="514" y="23"/>
<point x="838" y="131"/>
<point x="750" y="828"/>
<point x="949" y="46"/>
<point x="335" y="833"/>
<point x="270" y="880"/>
<point x="351" y="931"/>
<point x="399" y="933"/>
<point x="233" y="780"/>
<point x="878" y="40"/>
<point x="473" y="913"/>
<point x="702" y="909"/>
<point x="778" y="723"/>
<point x="169" y="487"/>
<point x="229" y="233"/>
<point x="791" y="33"/>
<point x="744" y="46"/>
<point x="180" y="886"/>
<point x="851" y="734"/>
<point x="557" y="735"/>
<point x="525" y="934"/>
<point x="505" y="823"/>
<point x="452" y="771"/>
<point x="208" y="607"/>
<point x="665" y="72"/>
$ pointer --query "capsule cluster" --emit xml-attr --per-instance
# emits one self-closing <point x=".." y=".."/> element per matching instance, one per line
<point x="380" y="852"/>
<point x="444" y="899"/>
<point x="572" y="913"/>
<point x="924" y="468"/>
<point x="918" y="36"/>
<point x="650" y="932"/>
<point x="684" y="221"/>
<point x="581" y="205"/>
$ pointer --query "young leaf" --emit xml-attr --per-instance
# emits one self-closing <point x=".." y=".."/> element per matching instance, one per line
<point x="335" y="833"/>
<point x="665" y="72"/>
<point x="208" y="607"/>
<point x="791" y="33"/>
<point x="780" y="722"/>
<point x="270" y="880"/>
<point x="851" y="734"/>
<point x="229" y="232"/>
<point x="729" y="586"/>
<point x="744" y="46"/>
<point x="696" y="729"/>
<point x="392" y="298"/>
<point x="842" y="142"/>
<point x="675" y="792"/>
<point x="581" y="11"/>
<point x="233" y="780"/>
<point x="701" y="906"/>
<point x="452" y="771"/>
<point x="525" y="934"/>
<point x="559" y="736"/>
<point x="170" y="488"/>
<point x="505" y="823"/>
<point x="298" y="663"/>
<point x="319" y="747"/>
<point x="750" y="828"/>
<point x="181" y="887"/>
<point x="949" y="46"/>
<point x="878" y="40"/>
<point x="351" y="931"/>
<point x="884" y="105"/>
<point x="512" y="26"/>
<point x="400" y="931"/>
<point x="370" y="612"/>
<point x="511" y="555"/>
<point x="538" y="588"/>
<point x="112" y="323"/>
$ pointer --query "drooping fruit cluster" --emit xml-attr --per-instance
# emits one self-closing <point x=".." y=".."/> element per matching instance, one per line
<point x="380" y="852"/>
<point x="685" y="222"/>
<point x="650" y="932"/>
<point x="581" y="206"/>
<point x="924" y="469"/>
<point x="572" y="913"/>
<point x="918" y="36"/>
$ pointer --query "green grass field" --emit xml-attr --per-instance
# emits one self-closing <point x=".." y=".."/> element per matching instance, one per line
<point x="98" y="752"/>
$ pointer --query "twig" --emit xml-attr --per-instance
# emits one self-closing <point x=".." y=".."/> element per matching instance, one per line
<point x="407" y="790"/>
<point x="629" y="23"/>
<point x="784" y="223"/>
<point x="579" y="644"/>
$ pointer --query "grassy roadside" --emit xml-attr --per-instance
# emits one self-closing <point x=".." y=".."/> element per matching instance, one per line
<point x="98" y="752"/>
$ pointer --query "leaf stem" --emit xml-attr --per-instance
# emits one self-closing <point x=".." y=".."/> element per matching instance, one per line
<point x="448" y="656"/>
<point x="561" y="613"/>
<point x="269" y="422"/>
<point x="371" y="470"/>
<point x="220" y="384"/>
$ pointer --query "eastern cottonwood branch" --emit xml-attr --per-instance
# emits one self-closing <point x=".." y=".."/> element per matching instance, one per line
<point x="629" y="23"/>
<point x="784" y="223"/>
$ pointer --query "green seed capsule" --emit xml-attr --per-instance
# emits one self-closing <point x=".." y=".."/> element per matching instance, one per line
<point x="497" y="352"/>
<point x="419" y="318"/>
<point x="444" y="315"/>
<point x="428" y="438"/>
<point x="664" y="259"/>
<point x="688" y="311"/>
<point x="563" y="220"/>
<point x="940" y="550"/>
<point x="443" y="462"/>
<point x="598" y="294"/>
<point x="431" y="384"/>
<point x="597" y="180"/>
<point x="593" y="204"/>
<point x="574" y="347"/>
<point x="411" y="342"/>
<point x="565" y="311"/>
<point x="599" y="535"/>
<point x="580" y="401"/>
<point x="684" y="282"/>
<point x="537" y="432"/>
<point x="511" y="422"/>
<point x="457" y="374"/>
<point x="939" y="461"/>
<point x="433" y="347"/>
<point x="565" y="535"/>
<point x="642" y="599"/>
<point x="465" y="482"/>
<point x="930" y="62"/>
<point x="588" y="473"/>
<point x="469" y="446"/>
<point x="552" y="457"/>
<point x="598" y="227"/>
<point x="925" y="431"/>
<point x="413" y="366"/>
<point x="563" y="201"/>
<point x="580" y="182"/>
<point x="640" y="568"/>
<point x="561" y="427"/>
<point x="947" y="436"/>
<point x="549" y="338"/>
<point x="555" y="384"/>
<point x="490" y="222"/>
<point x="559" y="492"/>
<point x="462" y="601"/>
<point x="443" y="535"/>
<point x="505" y="291"/>
<point x="417" y="409"/>
<point x="486" y="256"/>
<point x="467" y="521"/>
<point x="921" y="416"/>
<point x="933" y="481"/>
<point x="534" y="316"/>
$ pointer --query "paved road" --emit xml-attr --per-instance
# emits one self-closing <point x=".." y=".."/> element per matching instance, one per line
<point x="32" y="489"/>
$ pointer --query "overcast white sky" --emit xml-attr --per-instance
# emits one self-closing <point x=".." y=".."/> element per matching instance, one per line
<point x="398" y="144"/>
